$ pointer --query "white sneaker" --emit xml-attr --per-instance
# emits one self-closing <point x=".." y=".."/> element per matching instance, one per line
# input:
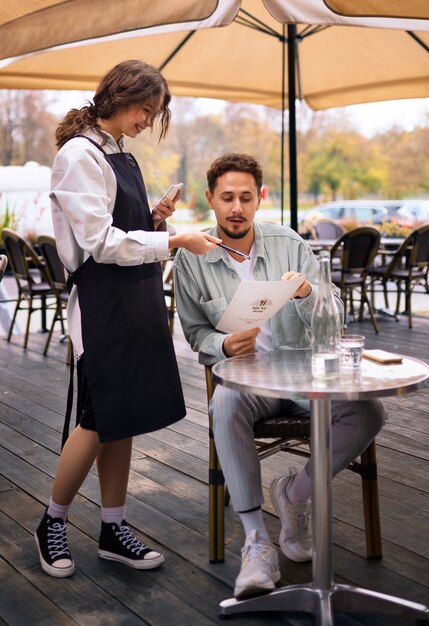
<point x="259" y="568"/>
<point x="295" y="536"/>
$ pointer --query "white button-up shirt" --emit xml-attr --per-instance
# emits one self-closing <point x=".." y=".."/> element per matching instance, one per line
<point x="83" y="194"/>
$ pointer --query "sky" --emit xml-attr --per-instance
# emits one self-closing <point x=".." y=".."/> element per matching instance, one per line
<point x="380" y="116"/>
<point x="369" y="118"/>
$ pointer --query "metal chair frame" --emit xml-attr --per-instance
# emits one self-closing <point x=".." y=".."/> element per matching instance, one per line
<point x="57" y="280"/>
<point x="168" y="286"/>
<point x="358" y="249"/>
<point x="26" y="265"/>
<point x="332" y="229"/>
<point x="409" y="266"/>
<point x="291" y="435"/>
<point x="3" y="265"/>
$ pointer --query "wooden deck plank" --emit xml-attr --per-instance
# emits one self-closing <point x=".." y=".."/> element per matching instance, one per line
<point x="168" y="504"/>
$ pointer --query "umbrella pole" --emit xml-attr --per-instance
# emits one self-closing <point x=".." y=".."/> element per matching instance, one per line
<point x="282" y="146"/>
<point x="293" y="175"/>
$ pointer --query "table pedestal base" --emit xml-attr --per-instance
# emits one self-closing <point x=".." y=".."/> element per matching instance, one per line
<point x="324" y="604"/>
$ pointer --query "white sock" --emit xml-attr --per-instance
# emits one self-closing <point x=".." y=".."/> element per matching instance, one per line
<point x="114" y="515"/>
<point x="253" y="520"/>
<point x="58" y="510"/>
<point x="299" y="490"/>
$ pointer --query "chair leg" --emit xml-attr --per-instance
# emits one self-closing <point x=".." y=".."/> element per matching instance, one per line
<point x="371" y="311"/>
<point x="371" y="510"/>
<point x="27" y="328"/>
<point x="12" y="324"/>
<point x="57" y="316"/>
<point x="172" y="309"/>
<point x="216" y="504"/>
<point x="398" y="297"/>
<point x="69" y="351"/>
<point x="220" y="534"/>
<point x="408" y="304"/>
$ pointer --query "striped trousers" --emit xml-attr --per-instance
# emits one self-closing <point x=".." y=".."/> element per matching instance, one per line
<point x="354" y="426"/>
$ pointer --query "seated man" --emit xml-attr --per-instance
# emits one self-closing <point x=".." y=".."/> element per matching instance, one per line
<point x="204" y="287"/>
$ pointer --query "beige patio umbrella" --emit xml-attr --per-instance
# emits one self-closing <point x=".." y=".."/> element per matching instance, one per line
<point x="338" y="65"/>
<point x="221" y="49"/>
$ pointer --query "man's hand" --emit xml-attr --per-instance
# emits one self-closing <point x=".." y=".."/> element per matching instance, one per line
<point x="304" y="289"/>
<point x="241" y="343"/>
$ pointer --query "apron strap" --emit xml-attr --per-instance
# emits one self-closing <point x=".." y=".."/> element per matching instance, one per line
<point x="70" y="393"/>
<point x="97" y="145"/>
<point x="94" y="143"/>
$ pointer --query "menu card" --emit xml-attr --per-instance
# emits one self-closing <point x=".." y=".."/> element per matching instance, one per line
<point x="255" y="302"/>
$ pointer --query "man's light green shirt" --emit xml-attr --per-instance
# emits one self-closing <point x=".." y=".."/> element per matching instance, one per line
<point x="204" y="286"/>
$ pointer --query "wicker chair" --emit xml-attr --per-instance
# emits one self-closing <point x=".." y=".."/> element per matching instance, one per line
<point x="3" y="265"/>
<point x="290" y="434"/>
<point x="57" y="280"/>
<point x="408" y="267"/>
<point x="358" y="248"/>
<point x="30" y="275"/>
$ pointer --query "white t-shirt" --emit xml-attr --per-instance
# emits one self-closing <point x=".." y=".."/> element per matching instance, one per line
<point x="245" y="269"/>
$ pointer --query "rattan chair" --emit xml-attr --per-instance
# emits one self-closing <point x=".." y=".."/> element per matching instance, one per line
<point x="358" y="249"/>
<point x="168" y="286"/>
<point x="57" y="280"/>
<point x="327" y="229"/>
<point x="408" y="267"/>
<point x="3" y="265"/>
<point x="286" y="434"/>
<point x="30" y="276"/>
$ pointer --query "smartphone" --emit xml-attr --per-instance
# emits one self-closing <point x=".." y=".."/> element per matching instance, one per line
<point x="170" y="194"/>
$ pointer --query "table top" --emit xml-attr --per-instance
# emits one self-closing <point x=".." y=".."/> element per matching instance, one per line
<point x="286" y="373"/>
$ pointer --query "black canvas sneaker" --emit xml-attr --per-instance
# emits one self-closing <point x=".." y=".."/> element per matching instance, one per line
<point x="54" y="553"/>
<point x="117" y="543"/>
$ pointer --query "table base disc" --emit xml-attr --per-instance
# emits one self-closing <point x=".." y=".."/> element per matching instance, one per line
<point x="324" y="604"/>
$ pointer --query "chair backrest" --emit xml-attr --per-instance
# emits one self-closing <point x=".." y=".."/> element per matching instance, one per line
<point x="327" y="229"/>
<point x="359" y="248"/>
<point x="3" y="265"/>
<point x="413" y="252"/>
<point x="54" y="267"/>
<point x="420" y="253"/>
<point x="22" y="257"/>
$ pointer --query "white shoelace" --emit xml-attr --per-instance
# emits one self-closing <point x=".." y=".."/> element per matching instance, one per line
<point x="255" y="550"/>
<point x="57" y="546"/>
<point x="129" y="541"/>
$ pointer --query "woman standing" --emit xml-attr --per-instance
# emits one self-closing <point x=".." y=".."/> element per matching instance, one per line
<point x="111" y="244"/>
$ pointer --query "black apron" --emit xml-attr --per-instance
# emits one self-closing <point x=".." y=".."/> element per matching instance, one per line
<point x="130" y="363"/>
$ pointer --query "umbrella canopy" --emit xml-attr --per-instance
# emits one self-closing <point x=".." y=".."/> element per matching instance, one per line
<point x="228" y="49"/>
<point x="337" y="65"/>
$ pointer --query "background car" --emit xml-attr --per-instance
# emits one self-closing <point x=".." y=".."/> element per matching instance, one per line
<point x="348" y="213"/>
<point x="416" y="210"/>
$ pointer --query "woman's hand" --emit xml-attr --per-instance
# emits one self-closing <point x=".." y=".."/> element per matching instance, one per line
<point x="197" y="242"/>
<point x="241" y="343"/>
<point x="304" y="289"/>
<point x="164" y="209"/>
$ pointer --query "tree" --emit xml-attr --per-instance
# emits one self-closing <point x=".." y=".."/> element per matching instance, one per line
<point x="27" y="129"/>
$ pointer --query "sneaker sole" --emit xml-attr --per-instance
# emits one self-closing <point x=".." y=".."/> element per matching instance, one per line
<point x="257" y="590"/>
<point x="283" y="545"/>
<point x="56" y="572"/>
<point x="148" y="564"/>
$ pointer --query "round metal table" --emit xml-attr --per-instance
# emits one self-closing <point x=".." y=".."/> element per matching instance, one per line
<point x="287" y="374"/>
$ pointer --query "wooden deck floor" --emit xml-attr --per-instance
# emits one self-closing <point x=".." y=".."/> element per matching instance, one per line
<point x="168" y="505"/>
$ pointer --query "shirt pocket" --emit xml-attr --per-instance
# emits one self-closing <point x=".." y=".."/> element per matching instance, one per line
<point x="214" y="309"/>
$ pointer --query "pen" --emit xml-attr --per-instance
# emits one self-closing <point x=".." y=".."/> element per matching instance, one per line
<point x="222" y="245"/>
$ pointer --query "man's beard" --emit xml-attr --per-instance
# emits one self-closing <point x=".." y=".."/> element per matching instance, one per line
<point x="234" y="235"/>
